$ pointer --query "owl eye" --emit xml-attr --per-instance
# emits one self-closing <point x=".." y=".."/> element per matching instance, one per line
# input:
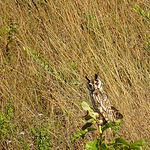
<point x="90" y="84"/>
<point x="96" y="82"/>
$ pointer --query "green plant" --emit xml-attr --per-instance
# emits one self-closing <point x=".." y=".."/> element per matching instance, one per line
<point x="148" y="42"/>
<point x="117" y="144"/>
<point x="41" y="138"/>
<point x="6" y="125"/>
<point x="24" y="144"/>
<point x="142" y="11"/>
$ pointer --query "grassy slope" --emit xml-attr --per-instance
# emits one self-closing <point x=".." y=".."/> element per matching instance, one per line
<point x="46" y="49"/>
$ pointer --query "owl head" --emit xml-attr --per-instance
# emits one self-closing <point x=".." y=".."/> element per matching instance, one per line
<point x="94" y="84"/>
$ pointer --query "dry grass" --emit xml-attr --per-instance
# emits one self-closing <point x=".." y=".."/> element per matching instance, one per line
<point x="46" y="49"/>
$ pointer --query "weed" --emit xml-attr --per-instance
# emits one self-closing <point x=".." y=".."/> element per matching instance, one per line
<point x="142" y="11"/>
<point x="99" y="144"/>
<point x="6" y="126"/>
<point x="41" y="137"/>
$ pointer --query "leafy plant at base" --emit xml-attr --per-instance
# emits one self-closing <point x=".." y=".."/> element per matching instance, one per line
<point x="99" y="144"/>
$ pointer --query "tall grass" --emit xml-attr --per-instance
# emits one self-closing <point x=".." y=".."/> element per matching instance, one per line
<point x="46" y="49"/>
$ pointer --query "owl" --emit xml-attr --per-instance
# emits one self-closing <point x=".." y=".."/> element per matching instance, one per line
<point x="100" y="102"/>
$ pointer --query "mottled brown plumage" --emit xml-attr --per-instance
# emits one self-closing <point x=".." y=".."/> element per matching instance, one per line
<point x="100" y="102"/>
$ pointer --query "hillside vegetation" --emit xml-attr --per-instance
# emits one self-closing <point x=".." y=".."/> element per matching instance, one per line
<point x="46" y="49"/>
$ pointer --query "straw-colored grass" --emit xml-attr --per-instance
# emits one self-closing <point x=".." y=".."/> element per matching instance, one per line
<point x="46" y="49"/>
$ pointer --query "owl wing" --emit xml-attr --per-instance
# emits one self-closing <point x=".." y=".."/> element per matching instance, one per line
<point x="103" y="105"/>
<point x="117" y="114"/>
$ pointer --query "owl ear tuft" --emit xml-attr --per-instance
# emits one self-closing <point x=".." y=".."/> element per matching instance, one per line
<point x="96" y="76"/>
<point x="87" y="78"/>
